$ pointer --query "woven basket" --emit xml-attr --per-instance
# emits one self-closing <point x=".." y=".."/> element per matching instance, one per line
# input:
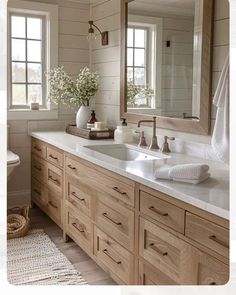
<point x="17" y="222"/>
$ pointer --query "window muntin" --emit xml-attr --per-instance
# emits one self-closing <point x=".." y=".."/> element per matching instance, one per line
<point x="27" y="60"/>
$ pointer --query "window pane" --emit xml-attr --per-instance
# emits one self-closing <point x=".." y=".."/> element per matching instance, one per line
<point x="34" y="28"/>
<point x="34" y="73"/>
<point x="139" y="57"/>
<point x="139" y="38"/>
<point x="35" y="93"/>
<point x="18" y="49"/>
<point x="130" y="76"/>
<point x="130" y="57"/>
<point x="18" y="94"/>
<point x="130" y="38"/>
<point x="18" y="26"/>
<point x="139" y="76"/>
<point x="18" y="72"/>
<point x="34" y="51"/>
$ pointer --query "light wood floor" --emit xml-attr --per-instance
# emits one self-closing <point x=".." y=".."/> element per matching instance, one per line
<point x="91" y="272"/>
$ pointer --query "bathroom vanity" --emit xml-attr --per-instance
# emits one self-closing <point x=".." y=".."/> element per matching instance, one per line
<point x="139" y="230"/>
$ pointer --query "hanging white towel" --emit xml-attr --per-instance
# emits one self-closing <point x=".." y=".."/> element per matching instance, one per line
<point x="220" y="138"/>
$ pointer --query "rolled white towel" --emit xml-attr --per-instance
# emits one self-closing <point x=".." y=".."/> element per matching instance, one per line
<point x="190" y="173"/>
<point x="193" y="181"/>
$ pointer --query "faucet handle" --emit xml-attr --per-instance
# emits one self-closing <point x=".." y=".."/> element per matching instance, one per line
<point x="165" y="147"/>
<point x="142" y="140"/>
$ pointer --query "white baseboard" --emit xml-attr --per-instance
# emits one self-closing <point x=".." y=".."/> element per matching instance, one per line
<point x="18" y="198"/>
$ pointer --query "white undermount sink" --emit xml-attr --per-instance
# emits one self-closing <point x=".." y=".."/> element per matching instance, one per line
<point x="125" y="152"/>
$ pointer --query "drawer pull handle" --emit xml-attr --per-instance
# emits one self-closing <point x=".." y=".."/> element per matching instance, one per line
<point x="52" y="157"/>
<point x="71" y="167"/>
<point x="107" y="254"/>
<point x="54" y="180"/>
<point x="37" y="149"/>
<point x="75" y="195"/>
<point x="109" y="218"/>
<point x="37" y="192"/>
<point x="152" y="208"/>
<point x="215" y="239"/>
<point x="38" y="168"/>
<point x="213" y="283"/>
<point x="75" y="226"/>
<point x="152" y="245"/>
<point x="116" y="189"/>
<point x="52" y="205"/>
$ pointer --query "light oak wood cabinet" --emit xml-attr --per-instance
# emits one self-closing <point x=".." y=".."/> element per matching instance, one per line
<point x="136" y="234"/>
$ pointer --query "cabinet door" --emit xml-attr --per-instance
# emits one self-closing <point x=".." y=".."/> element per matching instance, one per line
<point x="171" y="255"/>
<point x="149" y="275"/>
<point x="78" y="195"/>
<point x="116" y="258"/>
<point x="79" y="227"/>
<point x="210" y="271"/>
<point x="117" y="221"/>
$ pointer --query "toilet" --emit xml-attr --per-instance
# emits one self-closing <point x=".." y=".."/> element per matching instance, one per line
<point x="13" y="161"/>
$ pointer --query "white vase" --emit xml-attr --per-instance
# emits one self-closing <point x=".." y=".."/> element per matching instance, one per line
<point x="82" y="116"/>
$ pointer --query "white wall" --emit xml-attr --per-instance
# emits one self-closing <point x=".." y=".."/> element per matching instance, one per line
<point x="107" y="61"/>
<point x="73" y="55"/>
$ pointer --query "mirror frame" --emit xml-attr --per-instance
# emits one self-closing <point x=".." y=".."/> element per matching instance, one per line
<point x="201" y="126"/>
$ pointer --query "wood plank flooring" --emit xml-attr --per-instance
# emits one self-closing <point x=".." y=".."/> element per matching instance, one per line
<point x="91" y="272"/>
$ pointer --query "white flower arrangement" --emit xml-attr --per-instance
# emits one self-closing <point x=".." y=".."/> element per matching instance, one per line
<point x="75" y="93"/>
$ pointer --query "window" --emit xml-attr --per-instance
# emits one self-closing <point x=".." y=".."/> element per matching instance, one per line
<point x="32" y="51"/>
<point x="137" y="56"/>
<point x="27" y="60"/>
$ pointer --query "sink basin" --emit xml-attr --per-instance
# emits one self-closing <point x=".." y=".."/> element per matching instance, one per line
<point x="125" y="152"/>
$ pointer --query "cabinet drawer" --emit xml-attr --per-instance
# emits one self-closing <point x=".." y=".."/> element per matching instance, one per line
<point x="117" y="259"/>
<point x="39" y="193"/>
<point x="114" y="186"/>
<point x="162" y="211"/>
<point x="169" y="254"/>
<point x="38" y="148"/>
<point x="117" y="221"/>
<point x="78" y="196"/>
<point x="54" y="178"/>
<point x="39" y="169"/>
<point x="79" y="228"/>
<point x="55" y="156"/>
<point x="211" y="271"/>
<point x="207" y="233"/>
<point x="149" y="275"/>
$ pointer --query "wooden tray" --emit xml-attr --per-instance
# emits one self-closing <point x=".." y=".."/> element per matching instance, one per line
<point x="88" y="134"/>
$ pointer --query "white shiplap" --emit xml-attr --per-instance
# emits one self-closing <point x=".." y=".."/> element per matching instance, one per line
<point x="73" y="55"/>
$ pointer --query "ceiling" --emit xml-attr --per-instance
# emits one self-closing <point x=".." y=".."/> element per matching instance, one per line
<point x="178" y="7"/>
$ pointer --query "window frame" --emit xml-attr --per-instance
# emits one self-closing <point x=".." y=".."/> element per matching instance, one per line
<point x="154" y="72"/>
<point x="50" y="12"/>
<point x="42" y="63"/>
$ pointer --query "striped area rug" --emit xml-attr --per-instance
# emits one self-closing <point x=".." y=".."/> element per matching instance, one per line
<point x="35" y="260"/>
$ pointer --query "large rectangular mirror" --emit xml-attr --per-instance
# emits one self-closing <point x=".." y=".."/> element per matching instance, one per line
<point x="166" y="62"/>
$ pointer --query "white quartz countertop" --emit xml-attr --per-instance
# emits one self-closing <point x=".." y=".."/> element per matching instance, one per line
<point x="212" y="195"/>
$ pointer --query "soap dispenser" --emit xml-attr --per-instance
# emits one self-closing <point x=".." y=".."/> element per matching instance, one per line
<point x="123" y="133"/>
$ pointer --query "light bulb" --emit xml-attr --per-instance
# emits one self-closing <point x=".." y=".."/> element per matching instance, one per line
<point x="91" y="37"/>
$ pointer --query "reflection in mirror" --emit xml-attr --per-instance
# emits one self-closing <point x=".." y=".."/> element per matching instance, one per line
<point x="163" y="58"/>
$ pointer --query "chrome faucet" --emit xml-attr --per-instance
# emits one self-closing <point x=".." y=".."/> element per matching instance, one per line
<point x="153" y="144"/>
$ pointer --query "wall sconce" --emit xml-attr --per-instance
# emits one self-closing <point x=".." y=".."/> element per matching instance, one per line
<point x="91" y="34"/>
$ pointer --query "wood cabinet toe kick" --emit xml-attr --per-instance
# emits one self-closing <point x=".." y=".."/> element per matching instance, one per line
<point x="138" y="235"/>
